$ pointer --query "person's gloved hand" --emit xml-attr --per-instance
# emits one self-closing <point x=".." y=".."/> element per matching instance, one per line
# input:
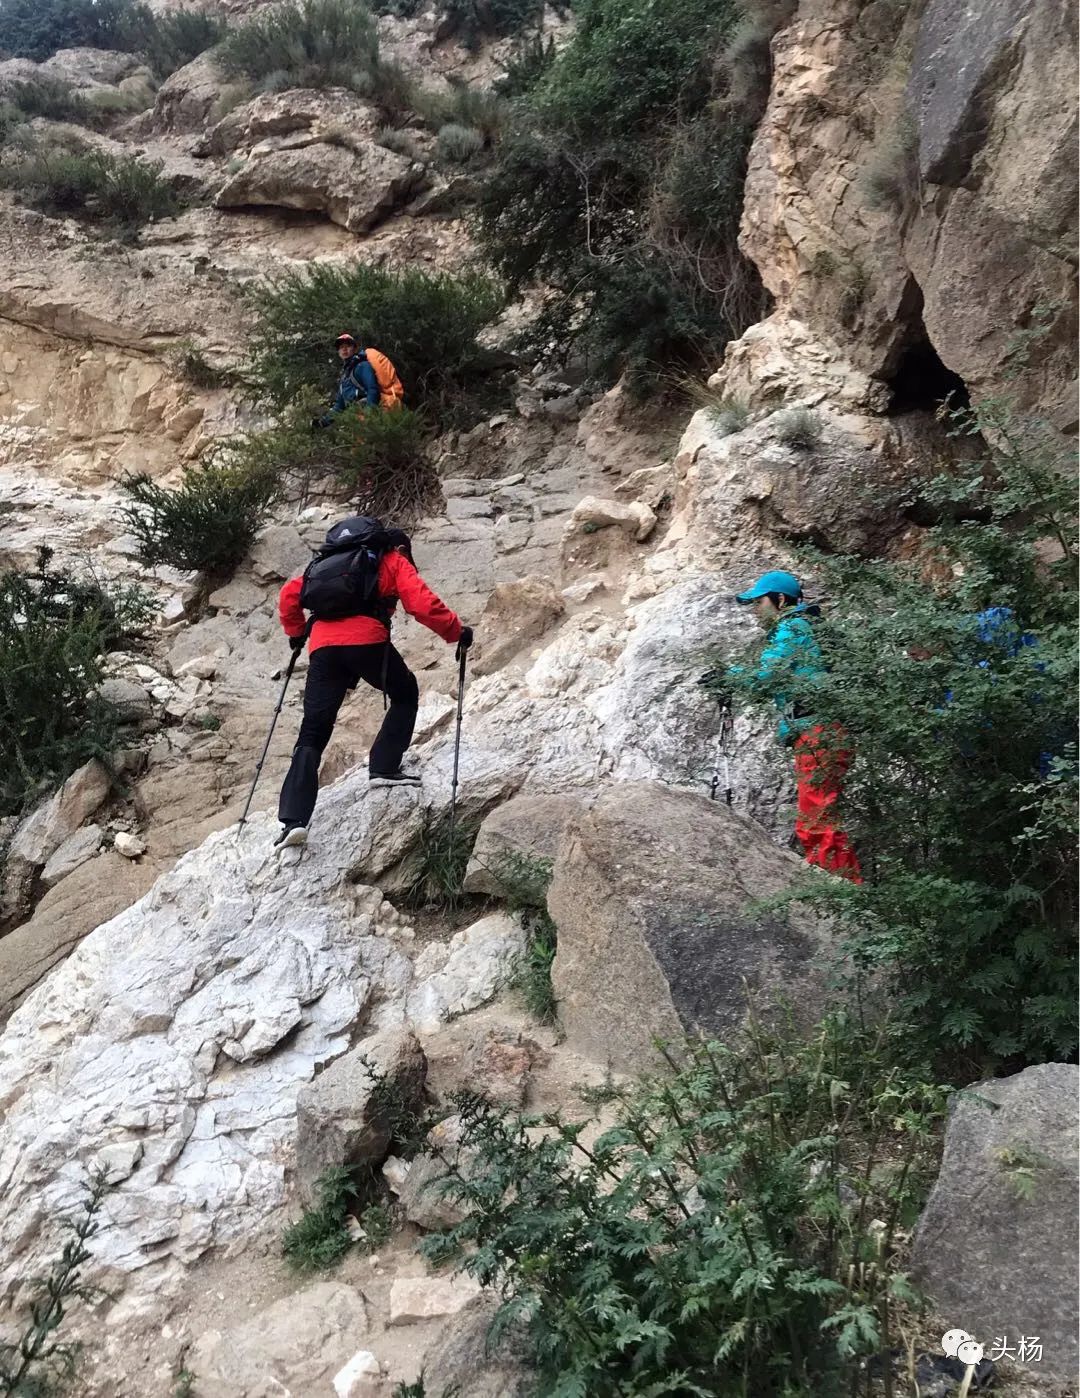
<point x="297" y="643"/>
<point x="318" y="423"/>
<point x="465" y="640"/>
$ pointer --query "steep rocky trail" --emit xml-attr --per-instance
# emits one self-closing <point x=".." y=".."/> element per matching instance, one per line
<point x="171" y="1013"/>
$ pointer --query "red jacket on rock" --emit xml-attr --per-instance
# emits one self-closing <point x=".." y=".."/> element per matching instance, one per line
<point x="398" y="582"/>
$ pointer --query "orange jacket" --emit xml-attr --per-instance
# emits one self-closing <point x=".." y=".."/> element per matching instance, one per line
<point x="398" y="582"/>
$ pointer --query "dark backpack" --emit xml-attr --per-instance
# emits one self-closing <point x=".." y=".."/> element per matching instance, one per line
<point x="342" y="579"/>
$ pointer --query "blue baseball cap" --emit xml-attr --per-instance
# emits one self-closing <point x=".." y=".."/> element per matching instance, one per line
<point x="785" y="583"/>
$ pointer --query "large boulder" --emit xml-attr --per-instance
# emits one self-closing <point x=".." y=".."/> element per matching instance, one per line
<point x="529" y="827"/>
<point x="345" y="1115"/>
<point x="296" y="1345"/>
<point x="355" y="187"/>
<point x="283" y="114"/>
<point x="517" y="613"/>
<point x="43" y="832"/>
<point x="995" y="1247"/>
<point x="653" y="896"/>
<point x="187" y="98"/>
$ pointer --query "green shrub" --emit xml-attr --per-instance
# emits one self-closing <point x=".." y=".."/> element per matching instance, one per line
<point x="50" y="98"/>
<point x="961" y="793"/>
<point x="118" y="192"/>
<point x="207" y="524"/>
<point x="320" y="1238"/>
<point x="39" y="1364"/>
<point x="400" y="142"/>
<point x="525" y="881"/>
<point x="472" y="20"/>
<point x="641" y="156"/>
<point x="799" y="428"/>
<point x="428" y="324"/>
<point x="737" y="1232"/>
<point x="37" y="28"/>
<point x="457" y="145"/>
<point x="55" y="628"/>
<point x="442" y="859"/>
<point x="726" y="414"/>
<point x="191" y="363"/>
<point x="529" y="62"/>
<point x="380" y="458"/>
<point x="309" y="43"/>
<point x="891" y="176"/>
<point x="480" y="109"/>
<point x="174" y="39"/>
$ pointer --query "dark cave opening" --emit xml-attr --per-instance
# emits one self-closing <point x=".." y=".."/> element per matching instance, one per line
<point x="921" y="382"/>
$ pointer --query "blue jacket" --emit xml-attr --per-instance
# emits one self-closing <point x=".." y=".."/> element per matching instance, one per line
<point x="791" y="653"/>
<point x="357" y="377"/>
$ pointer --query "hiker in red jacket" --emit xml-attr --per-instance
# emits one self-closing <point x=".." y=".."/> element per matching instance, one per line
<point x="351" y="590"/>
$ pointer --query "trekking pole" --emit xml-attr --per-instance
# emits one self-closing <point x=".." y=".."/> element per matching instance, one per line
<point x="723" y="754"/>
<point x="273" y="725"/>
<point x="462" y="653"/>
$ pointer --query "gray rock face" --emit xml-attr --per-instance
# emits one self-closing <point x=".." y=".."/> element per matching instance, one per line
<point x="75" y="850"/>
<point x="355" y="187"/>
<point x="525" y="825"/>
<point x="47" y="828"/>
<point x="342" y="1117"/>
<point x="651" y="896"/>
<point x="961" y="52"/>
<point x="995" y="1262"/>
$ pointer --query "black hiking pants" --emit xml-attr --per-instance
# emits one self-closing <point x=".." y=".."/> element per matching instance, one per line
<point x="332" y="672"/>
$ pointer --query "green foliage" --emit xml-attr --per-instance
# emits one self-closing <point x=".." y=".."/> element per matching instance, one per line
<point x="418" y="1389"/>
<point x="529" y="61"/>
<point x="191" y="363"/>
<point x="799" y="428"/>
<point x="207" y="524"/>
<point x="736" y="1232"/>
<point x="37" y="1361"/>
<point x="184" y="1387"/>
<point x="320" y="1238"/>
<point x="380" y="458"/>
<point x="54" y="629"/>
<point x="630" y="132"/>
<point x="473" y="20"/>
<point x="443" y="857"/>
<point x="480" y="109"/>
<point x="309" y="43"/>
<point x="400" y="142"/>
<point x="119" y="193"/>
<point x="37" y="28"/>
<point x="173" y="39"/>
<point x="961" y="793"/>
<point x="50" y="98"/>
<point x="524" y="880"/>
<point x="428" y="324"/>
<point x="457" y="145"/>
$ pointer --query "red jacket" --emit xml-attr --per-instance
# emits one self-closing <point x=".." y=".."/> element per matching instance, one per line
<point x="398" y="582"/>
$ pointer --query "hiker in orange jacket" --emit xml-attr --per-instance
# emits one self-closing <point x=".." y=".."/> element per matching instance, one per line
<point x="351" y="592"/>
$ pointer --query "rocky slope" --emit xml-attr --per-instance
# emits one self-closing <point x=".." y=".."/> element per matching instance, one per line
<point x="169" y="1010"/>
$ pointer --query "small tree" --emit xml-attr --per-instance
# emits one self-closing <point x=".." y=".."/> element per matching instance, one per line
<point x="207" y="524"/>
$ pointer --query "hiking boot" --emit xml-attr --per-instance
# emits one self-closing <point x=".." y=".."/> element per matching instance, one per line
<point x="398" y="778"/>
<point x="292" y="836"/>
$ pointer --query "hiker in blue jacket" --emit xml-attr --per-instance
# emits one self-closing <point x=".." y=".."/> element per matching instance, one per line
<point x="357" y="379"/>
<point x="792" y="654"/>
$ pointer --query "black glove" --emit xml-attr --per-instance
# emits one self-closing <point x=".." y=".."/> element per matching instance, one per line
<point x="465" y="640"/>
<point x="318" y="423"/>
<point x="297" y="642"/>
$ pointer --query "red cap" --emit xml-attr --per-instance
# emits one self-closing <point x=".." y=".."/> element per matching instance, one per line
<point x="345" y="336"/>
